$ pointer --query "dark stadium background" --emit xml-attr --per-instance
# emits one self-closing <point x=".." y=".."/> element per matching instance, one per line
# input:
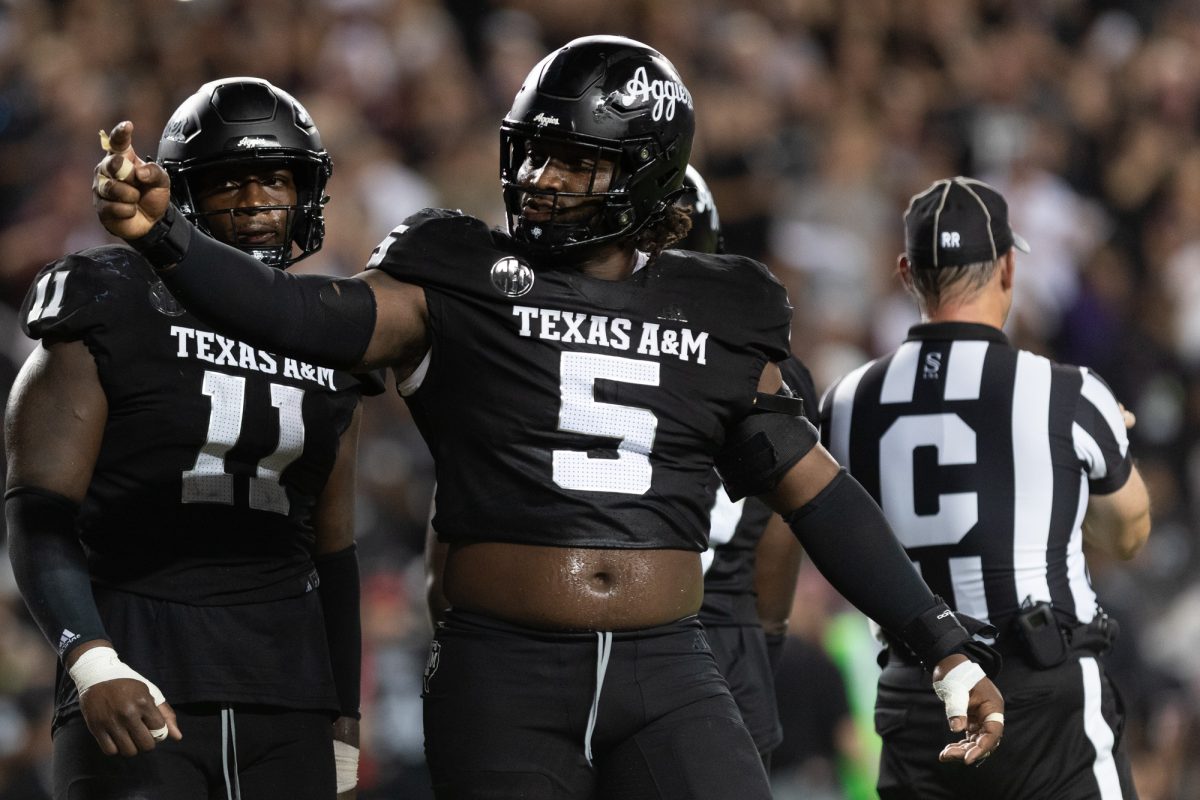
<point x="817" y="119"/>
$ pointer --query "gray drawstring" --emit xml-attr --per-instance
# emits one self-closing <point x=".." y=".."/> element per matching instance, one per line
<point x="233" y="789"/>
<point x="603" y="651"/>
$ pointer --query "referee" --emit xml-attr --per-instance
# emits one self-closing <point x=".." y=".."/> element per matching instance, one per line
<point x="994" y="466"/>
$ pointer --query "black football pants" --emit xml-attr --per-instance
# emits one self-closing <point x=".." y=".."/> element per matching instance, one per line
<point x="741" y="653"/>
<point x="513" y="712"/>
<point x="238" y="753"/>
<point x="1062" y="737"/>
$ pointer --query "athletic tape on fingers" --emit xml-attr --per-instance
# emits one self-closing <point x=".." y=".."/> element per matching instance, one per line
<point x="126" y="165"/>
<point x="995" y="716"/>
<point x="955" y="689"/>
<point x="159" y="734"/>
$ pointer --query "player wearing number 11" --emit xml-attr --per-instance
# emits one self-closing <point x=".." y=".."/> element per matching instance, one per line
<point x="576" y="380"/>
<point x="180" y="502"/>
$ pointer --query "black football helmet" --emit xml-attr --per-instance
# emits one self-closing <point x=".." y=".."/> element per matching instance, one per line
<point x="236" y="120"/>
<point x="616" y="100"/>
<point x="705" y="235"/>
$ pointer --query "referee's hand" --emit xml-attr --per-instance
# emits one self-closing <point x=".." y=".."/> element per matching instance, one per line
<point x="983" y="722"/>
<point x="1127" y="416"/>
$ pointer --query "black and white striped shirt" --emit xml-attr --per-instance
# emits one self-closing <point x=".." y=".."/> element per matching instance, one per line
<point x="982" y="457"/>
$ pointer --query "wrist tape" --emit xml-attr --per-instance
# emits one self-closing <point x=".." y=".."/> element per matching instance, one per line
<point x="345" y="764"/>
<point x="101" y="664"/>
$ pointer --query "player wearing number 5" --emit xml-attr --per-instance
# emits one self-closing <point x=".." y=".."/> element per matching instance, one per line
<point x="994" y="466"/>
<point x="575" y="380"/>
<point x="180" y="503"/>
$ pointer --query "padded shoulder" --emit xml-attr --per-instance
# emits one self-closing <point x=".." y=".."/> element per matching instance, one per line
<point x="434" y="246"/>
<point x="744" y="292"/>
<point x="82" y="291"/>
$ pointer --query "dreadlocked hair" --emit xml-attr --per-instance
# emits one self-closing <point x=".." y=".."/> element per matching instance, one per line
<point x="659" y="235"/>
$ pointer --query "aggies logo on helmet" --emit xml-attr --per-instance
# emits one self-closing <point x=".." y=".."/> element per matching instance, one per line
<point x="665" y="92"/>
<point x="512" y="276"/>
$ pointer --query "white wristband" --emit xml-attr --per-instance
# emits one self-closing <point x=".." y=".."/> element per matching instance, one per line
<point x="101" y="664"/>
<point x="345" y="765"/>
<point x="955" y="689"/>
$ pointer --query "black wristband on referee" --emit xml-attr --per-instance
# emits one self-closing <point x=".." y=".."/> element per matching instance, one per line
<point x="936" y="633"/>
<point x="167" y="242"/>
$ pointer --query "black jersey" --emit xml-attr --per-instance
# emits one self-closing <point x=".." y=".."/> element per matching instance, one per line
<point x="197" y="522"/>
<point x="572" y="411"/>
<point x="982" y="457"/>
<point x="737" y="527"/>
<point x="213" y="453"/>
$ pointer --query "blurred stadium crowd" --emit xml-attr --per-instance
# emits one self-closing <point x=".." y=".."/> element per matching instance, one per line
<point x="817" y="119"/>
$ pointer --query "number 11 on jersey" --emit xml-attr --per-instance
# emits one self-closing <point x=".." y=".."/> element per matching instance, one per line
<point x="208" y="481"/>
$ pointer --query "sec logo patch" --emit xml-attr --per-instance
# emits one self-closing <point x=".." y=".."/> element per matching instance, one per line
<point x="512" y="277"/>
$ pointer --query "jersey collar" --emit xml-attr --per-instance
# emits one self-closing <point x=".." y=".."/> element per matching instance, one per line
<point x="942" y="331"/>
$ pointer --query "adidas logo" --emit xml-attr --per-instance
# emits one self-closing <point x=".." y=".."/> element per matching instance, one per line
<point x="65" y="640"/>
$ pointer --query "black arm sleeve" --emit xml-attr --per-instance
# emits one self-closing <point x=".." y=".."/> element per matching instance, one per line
<point x="324" y="320"/>
<point x="50" y="567"/>
<point x="847" y="537"/>
<point x="339" y="588"/>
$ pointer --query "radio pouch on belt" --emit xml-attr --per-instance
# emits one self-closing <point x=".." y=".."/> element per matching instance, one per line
<point x="1044" y="641"/>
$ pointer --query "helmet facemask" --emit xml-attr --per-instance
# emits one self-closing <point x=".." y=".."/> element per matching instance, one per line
<point x="614" y="216"/>
<point x="245" y="125"/>
<point x="303" y="226"/>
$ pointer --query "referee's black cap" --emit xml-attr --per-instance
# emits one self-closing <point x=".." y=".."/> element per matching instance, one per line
<point x="958" y="221"/>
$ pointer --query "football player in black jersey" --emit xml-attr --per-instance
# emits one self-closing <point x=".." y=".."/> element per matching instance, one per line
<point x="576" y="381"/>
<point x="180" y="503"/>
<point x="753" y="559"/>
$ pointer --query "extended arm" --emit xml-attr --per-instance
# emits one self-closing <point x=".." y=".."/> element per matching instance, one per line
<point x="848" y="539"/>
<point x="336" y="559"/>
<point x="362" y="323"/>
<point x="53" y="429"/>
